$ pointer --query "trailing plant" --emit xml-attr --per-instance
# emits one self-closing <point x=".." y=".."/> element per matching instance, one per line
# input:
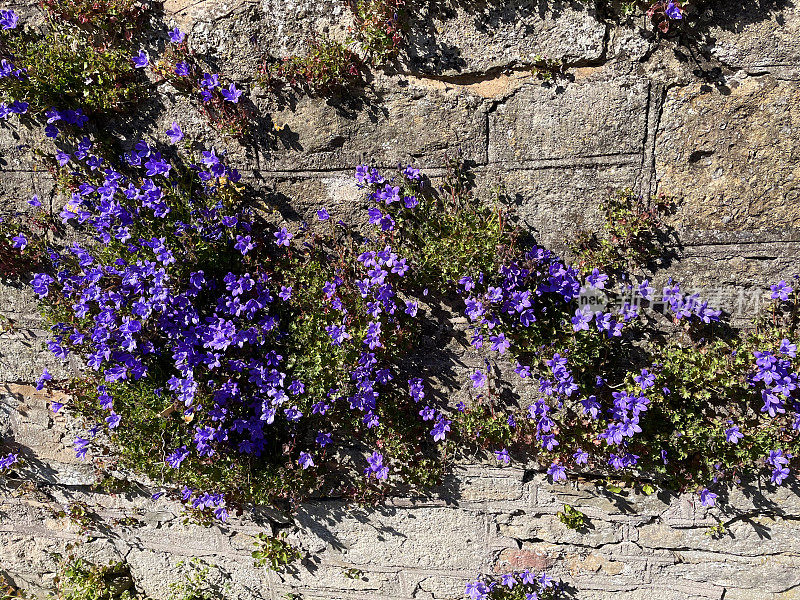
<point x="329" y="65"/>
<point x="633" y="235"/>
<point x="107" y="22"/>
<point x="79" y="580"/>
<point x="274" y="552"/>
<point x="9" y="591"/>
<point x="61" y="68"/>
<point x="78" y="514"/>
<point x="572" y="517"/>
<point x="195" y="583"/>
<point x="379" y="27"/>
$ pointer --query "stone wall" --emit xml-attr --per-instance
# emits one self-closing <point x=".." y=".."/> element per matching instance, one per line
<point x="711" y="117"/>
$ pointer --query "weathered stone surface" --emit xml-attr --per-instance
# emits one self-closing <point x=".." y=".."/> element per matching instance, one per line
<point x="754" y="35"/>
<point x="487" y="518"/>
<point x="23" y="357"/>
<point x="449" y="38"/>
<point x="555" y="203"/>
<point x="237" y="36"/>
<point x="398" y="535"/>
<point x="421" y="123"/>
<point x="712" y="149"/>
<point x="600" y="114"/>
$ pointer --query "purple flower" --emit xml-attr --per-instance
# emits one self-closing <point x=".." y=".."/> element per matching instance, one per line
<point x="81" y="446"/>
<point x="176" y="457"/>
<point x="581" y="457"/>
<point x="439" y="431"/>
<point x="376" y="466"/>
<point x="338" y="334"/>
<point x="19" y="241"/>
<point x="781" y="290"/>
<point x="174" y="133"/>
<point x="645" y="380"/>
<point x="35" y="202"/>
<point x="176" y="36"/>
<point x="778" y="475"/>
<point x="323" y="439"/>
<point x="502" y="456"/>
<point x="788" y="348"/>
<point x="209" y="80"/>
<point x="305" y="460"/>
<point x="508" y="580"/>
<point x="182" y="69"/>
<point x="44" y="377"/>
<point x="673" y="11"/>
<point x="733" y="435"/>
<point x="283" y="237"/>
<point x="557" y="472"/>
<point x="19" y="107"/>
<point x="597" y="279"/>
<point x="477" y="590"/>
<point x="708" y="498"/>
<point x="478" y="379"/>
<point x="231" y="94"/>
<point x="113" y="420"/>
<point x="40" y="284"/>
<point x="8" y="460"/>
<point x="8" y="19"/>
<point x="581" y="320"/>
<point x="416" y="388"/>
<point x="322" y="214"/>
<point x="141" y="60"/>
<point x="244" y="243"/>
<point x="157" y="166"/>
<point x="499" y="343"/>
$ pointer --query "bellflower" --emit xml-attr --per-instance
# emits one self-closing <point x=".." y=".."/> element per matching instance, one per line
<point x="231" y="94"/>
<point x="176" y="36"/>
<point x="141" y="60"/>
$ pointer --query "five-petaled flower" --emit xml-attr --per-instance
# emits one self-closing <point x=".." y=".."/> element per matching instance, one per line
<point x="141" y="60"/>
<point x="174" y="133"/>
<point x="283" y="237"/>
<point x="231" y="94"/>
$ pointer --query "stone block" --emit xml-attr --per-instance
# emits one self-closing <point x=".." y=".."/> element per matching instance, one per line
<point x="754" y="36"/>
<point x="600" y="114"/>
<point x="711" y="153"/>
<point x="452" y="38"/>
<point x="412" y="122"/>
<point x="397" y="537"/>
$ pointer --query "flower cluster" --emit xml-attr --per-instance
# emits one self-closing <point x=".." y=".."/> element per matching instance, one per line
<point x="254" y="347"/>
<point x="219" y="101"/>
<point x="524" y="585"/>
<point x="60" y="66"/>
<point x="250" y="341"/>
<point x="7" y="461"/>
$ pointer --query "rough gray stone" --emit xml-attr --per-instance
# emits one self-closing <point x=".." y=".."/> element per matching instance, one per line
<point x="452" y="38"/>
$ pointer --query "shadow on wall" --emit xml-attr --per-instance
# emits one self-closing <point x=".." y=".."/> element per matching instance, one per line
<point x="429" y="53"/>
